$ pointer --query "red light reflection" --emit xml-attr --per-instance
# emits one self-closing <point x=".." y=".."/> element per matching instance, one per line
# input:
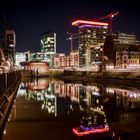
<point x="93" y="131"/>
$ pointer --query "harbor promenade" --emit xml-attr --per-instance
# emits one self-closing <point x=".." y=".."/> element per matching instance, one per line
<point x="9" y="83"/>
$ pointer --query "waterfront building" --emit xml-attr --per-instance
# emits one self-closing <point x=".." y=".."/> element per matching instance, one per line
<point x="27" y="57"/>
<point x="66" y="61"/>
<point x="91" y="39"/>
<point x="48" y="46"/>
<point x="122" y="50"/>
<point x="9" y="45"/>
<point x="39" y="56"/>
<point x="59" y="60"/>
<point x="20" y="57"/>
<point x="74" y="61"/>
<point x="37" y="68"/>
<point x="56" y="60"/>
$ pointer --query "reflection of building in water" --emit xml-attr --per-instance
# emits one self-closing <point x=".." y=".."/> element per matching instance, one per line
<point x="71" y="90"/>
<point x="54" y="96"/>
<point x="42" y="90"/>
<point x="49" y="104"/>
<point x="37" y="84"/>
<point x="92" y="115"/>
<point x="125" y="98"/>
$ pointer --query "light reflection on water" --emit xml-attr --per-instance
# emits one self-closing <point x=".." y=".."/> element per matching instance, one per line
<point x="92" y="109"/>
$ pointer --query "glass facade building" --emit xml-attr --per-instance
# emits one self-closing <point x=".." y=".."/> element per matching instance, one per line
<point x="48" y="46"/>
<point x="91" y="38"/>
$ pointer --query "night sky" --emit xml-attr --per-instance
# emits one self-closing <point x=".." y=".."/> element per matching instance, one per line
<point x="30" y="18"/>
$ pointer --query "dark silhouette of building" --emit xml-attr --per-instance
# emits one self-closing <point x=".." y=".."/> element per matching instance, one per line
<point x="9" y="44"/>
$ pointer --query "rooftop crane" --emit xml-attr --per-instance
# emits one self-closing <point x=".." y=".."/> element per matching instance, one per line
<point x="71" y="37"/>
<point x="110" y="16"/>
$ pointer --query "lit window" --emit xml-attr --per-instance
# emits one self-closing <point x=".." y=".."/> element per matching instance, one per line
<point x="97" y="101"/>
<point x="49" y="39"/>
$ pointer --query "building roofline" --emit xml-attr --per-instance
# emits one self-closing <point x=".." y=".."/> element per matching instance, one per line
<point x="79" y="22"/>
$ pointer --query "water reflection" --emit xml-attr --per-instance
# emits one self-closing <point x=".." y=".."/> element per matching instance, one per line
<point x="125" y="98"/>
<point x="92" y="114"/>
<point x="40" y="90"/>
<point x="100" y="110"/>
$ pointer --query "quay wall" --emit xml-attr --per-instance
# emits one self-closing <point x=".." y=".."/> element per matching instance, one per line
<point x="113" y="75"/>
<point x="91" y="76"/>
<point x="106" y="78"/>
<point x="9" y="84"/>
<point x="88" y="74"/>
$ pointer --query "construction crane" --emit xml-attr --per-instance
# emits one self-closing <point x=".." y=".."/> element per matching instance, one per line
<point x="71" y="37"/>
<point x="110" y="16"/>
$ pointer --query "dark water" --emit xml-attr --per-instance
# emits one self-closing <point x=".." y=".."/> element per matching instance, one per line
<point x="48" y="110"/>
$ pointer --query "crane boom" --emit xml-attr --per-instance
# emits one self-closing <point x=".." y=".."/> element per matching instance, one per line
<point x="71" y="37"/>
<point x="110" y="16"/>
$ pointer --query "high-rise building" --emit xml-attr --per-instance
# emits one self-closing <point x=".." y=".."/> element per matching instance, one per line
<point x="48" y="46"/>
<point x="122" y="50"/>
<point x="91" y="38"/>
<point x="9" y="44"/>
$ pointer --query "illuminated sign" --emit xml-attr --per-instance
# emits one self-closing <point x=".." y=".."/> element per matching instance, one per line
<point x="77" y="22"/>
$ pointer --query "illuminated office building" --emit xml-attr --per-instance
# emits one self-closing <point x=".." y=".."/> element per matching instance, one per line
<point x="91" y="38"/>
<point x="48" y="46"/>
<point x="122" y="50"/>
<point x="20" y="57"/>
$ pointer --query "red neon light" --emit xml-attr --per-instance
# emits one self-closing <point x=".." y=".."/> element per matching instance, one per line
<point x="77" y="22"/>
<point x="100" y="130"/>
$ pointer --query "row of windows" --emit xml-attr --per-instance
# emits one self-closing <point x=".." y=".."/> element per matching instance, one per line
<point x="48" y="50"/>
<point x="92" y="32"/>
<point x="133" y="61"/>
